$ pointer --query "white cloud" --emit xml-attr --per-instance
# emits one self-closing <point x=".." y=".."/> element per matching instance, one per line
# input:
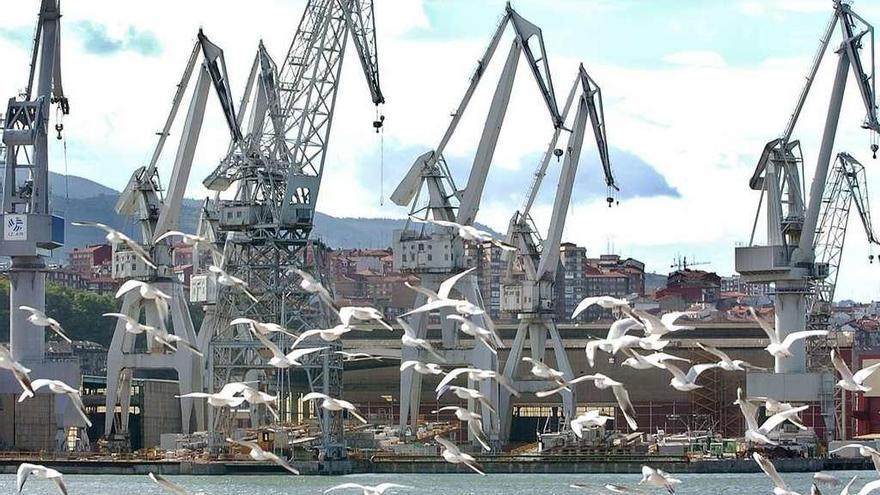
<point x="696" y="59"/>
<point x="699" y="122"/>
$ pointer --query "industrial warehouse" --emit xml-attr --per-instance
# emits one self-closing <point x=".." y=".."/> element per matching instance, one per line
<point x="246" y="332"/>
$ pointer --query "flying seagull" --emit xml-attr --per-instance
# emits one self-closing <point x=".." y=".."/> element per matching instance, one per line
<point x="116" y="238"/>
<point x="39" y="318"/>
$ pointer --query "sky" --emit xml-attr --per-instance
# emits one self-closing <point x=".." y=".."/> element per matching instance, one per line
<point x="692" y="91"/>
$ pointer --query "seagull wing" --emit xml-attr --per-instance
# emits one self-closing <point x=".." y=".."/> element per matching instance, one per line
<point x="626" y="407"/>
<point x="94" y="224"/>
<point x="383" y="487"/>
<point x="141" y="253"/>
<point x="296" y="354"/>
<point x="861" y="375"/>
<point x="792" y="337"/>
<point x="770" y="331"/>
<point x="276" y="352"/>
<point x="714" y="351"/>
<point x="281" y="462"/>
<point x="167" y="485"/>
<point x="670" y="318"/>
<point x="433" y="305"/>
<point x="346" y="486"/>
<point x="171" y="233"/>
<point x="452" y="375"/>
<point x="447" y="285"/>
<point x="869" y="487"/>
<point x="475" y="426"/>
<point x="315" y="396"/>
<point x="769" y="469"/>
<point x="583" y="305"/>
<point x="695" y="370"/>
<point x="127" y="286"/>
<point x="840" y="366"/>
<point x="781" y="417"/>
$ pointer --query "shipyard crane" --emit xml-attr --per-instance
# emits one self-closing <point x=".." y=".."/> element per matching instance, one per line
<point x="277" y="176"/>
<point x="30" y="229"/>
<point x="847" y="186"/>
<point x="531" y="294"/>
<point x="789" y="258"/>
<point x="142" y="199"/>
<point x="435" y="254"/>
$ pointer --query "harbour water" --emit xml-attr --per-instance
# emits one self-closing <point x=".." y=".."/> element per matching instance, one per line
<point x="441" y="484"/>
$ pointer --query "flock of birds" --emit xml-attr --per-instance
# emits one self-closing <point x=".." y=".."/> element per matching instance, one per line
<point x="643" y="352"/>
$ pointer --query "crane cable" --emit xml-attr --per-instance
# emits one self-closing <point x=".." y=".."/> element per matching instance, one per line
<point x="379" y="125"/>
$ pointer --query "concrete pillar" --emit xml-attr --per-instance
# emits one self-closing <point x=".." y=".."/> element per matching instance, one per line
<point x="27" y="280"/>
<point x="791" y="317"/>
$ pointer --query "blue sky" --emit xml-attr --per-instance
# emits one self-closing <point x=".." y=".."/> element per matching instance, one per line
<point x="692" y="90"/>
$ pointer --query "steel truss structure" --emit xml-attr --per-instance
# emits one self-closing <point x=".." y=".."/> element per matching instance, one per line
<point x="277" y="176"/>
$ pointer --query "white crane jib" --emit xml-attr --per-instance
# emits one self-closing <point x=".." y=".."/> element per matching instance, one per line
<point x="430" y="176"/>
<point x="142" y="200"/>
<point x="531" y="295"/>
<point x="788" y="259"/>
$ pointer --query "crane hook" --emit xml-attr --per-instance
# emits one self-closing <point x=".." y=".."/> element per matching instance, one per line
<point x="378" y="123"/>
<point x="874" y="148"/>
<point x="557" y="153"/>
<point x="58" y="128"/>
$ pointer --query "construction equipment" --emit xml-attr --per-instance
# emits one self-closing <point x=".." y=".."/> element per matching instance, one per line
<point x="789" y="258"/>
<point x="847" y="186"/>
<point x="531" y="293"/>
<point x="431" y="191"/>
<point x="277" y="175"/>
<point x="30" y="231"/>
<point x="142" y="199"/>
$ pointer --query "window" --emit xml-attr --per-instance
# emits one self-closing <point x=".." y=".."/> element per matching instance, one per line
<point x="430" y="258"/>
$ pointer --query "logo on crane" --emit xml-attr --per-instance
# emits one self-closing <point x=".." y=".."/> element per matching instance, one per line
<point x="15" y="228"/>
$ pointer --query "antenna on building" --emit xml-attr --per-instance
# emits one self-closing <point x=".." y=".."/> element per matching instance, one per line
<point x="682" y="263"/>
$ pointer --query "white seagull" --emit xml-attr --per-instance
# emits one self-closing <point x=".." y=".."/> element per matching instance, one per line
<point x="755" y="433"/>
<point x="61" y="388"/>
<point x="487" y="336"/>
<point x="148" y="292"/>
<point x="606" y="302"/>
<point x="602" y="382"/>
<point x="471" y="394"/>
<point x="39" y="318"/>
<point x="169" y="486"/>
<point x="331" y="404"/>
<point x="475" y="374"/>
<point x="379" y="489"/>
<point x="453" y="455"/>
<point x="726" y="363"/>
<point x="160" y="335"/>
<point x="422" y="368"/>
<point x="864" y="451"/>
<point x="616" y="331"/>
<point x="587" y="420"/>
<point x="116" y="238"/>
<point x="19" y="371"/>
<point x="358" y="356"/>
<point x="779" y="347"/>
<point x="409" y="339"/>
<point x="224" y="278"/>
<point x="311" y="285"/>
<point x="658" y="478"/>
<point x="467" y="232"/>
<point x="664" y="324"/>
<point x="688" y="382"/>
<point x="26" y="470"/>
<point x="326" y="334"/>
<point x="362" y="313"/>
<point x="281" y="360"/>
<point x="259" y="454"/>
<point x="191" y="240"/>
<point x="474" y="421"/>
<point x="651" y="361"/>
<point x="848" y="380"/>
<point x="264" y="328"/>
<point x="443" y="291"/>
<point x="228" y="396"/>
<point x="253" y="396"/>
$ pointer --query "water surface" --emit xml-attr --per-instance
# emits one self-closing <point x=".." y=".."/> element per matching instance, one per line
<point x="434" y="484"/>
